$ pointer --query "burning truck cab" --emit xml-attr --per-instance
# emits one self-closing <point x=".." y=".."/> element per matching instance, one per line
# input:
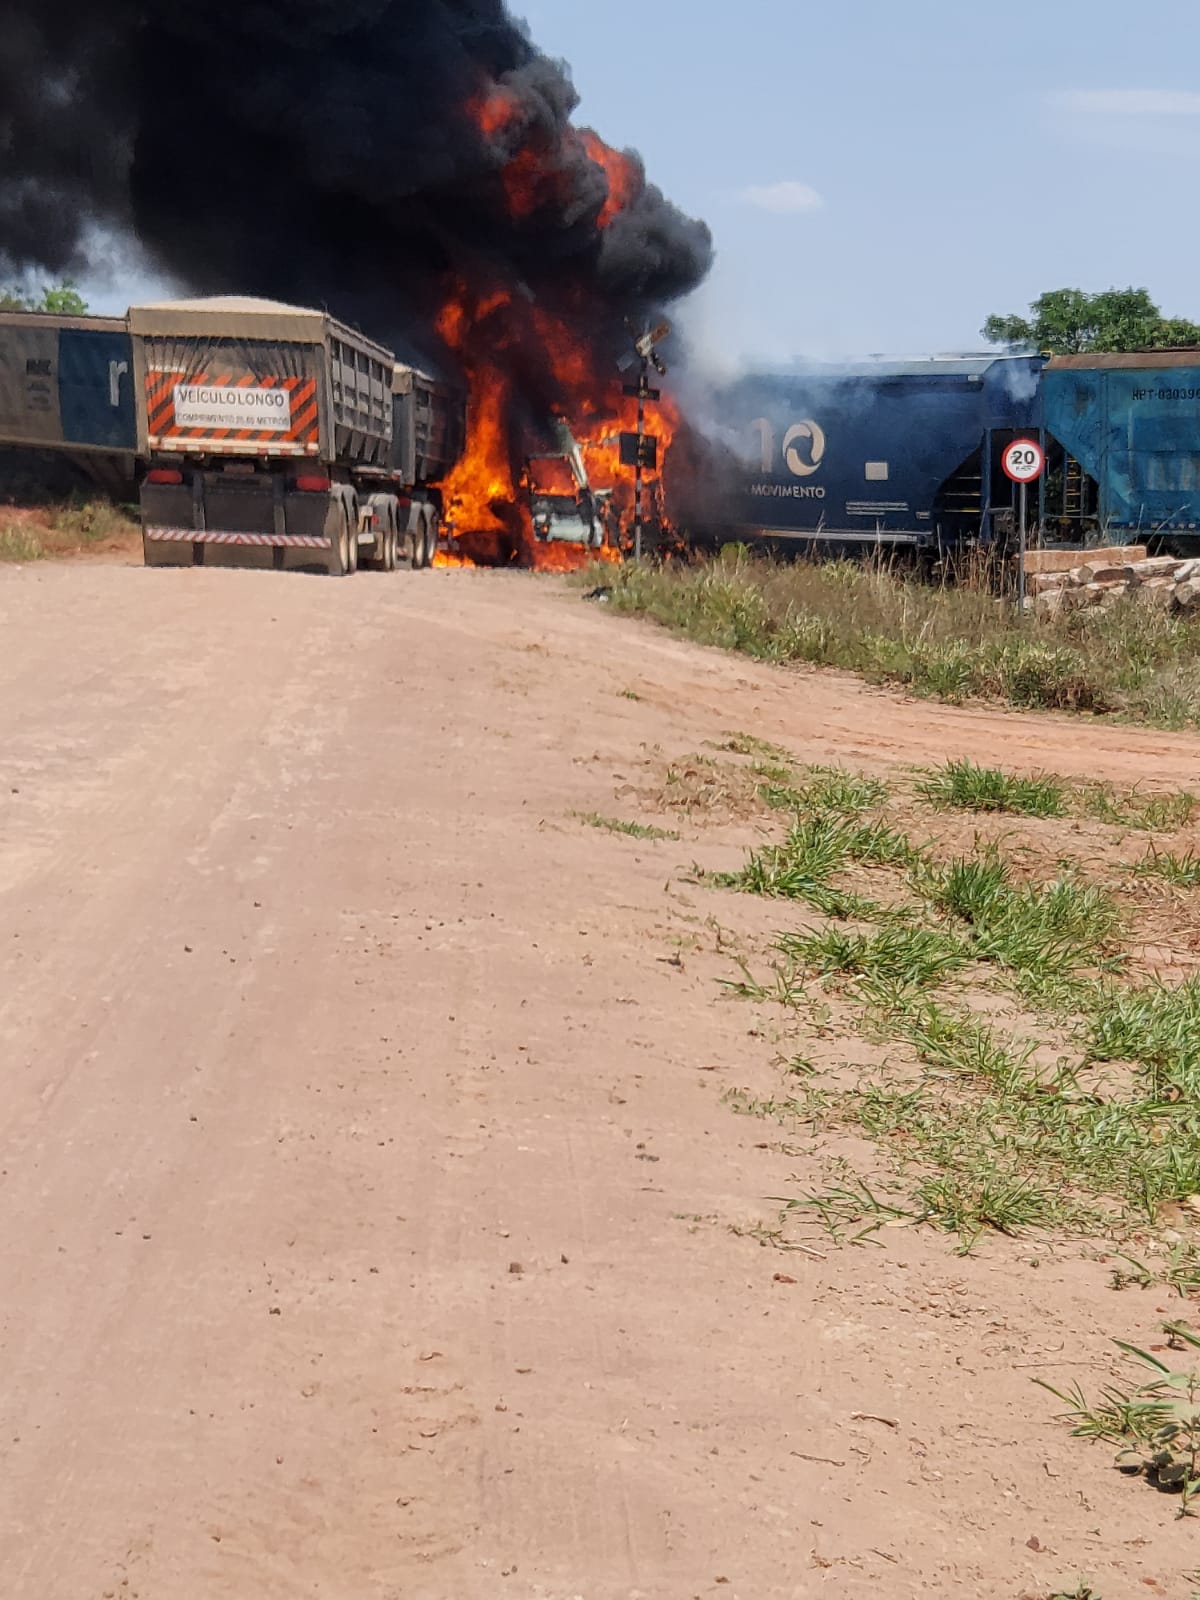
<point x="558" y="510"/>
<point x="562" y="506"/>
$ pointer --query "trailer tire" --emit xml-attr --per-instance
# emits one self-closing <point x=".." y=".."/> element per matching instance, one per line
<point x="419" y="543"/>
<point x="432" y="530"/>
<point x="351" y="543"/>
<point x="339" y="544"/>
<point x="388" y="559"/>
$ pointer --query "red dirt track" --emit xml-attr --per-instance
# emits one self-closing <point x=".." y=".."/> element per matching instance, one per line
<point x="365" y="1179"/>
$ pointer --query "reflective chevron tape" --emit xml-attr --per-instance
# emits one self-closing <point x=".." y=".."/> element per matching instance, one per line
<point x="300" y="541"/>
<point x="191" y="408"/>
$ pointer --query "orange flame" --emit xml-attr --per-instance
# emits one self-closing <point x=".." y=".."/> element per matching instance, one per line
<point x="498" y="335"/>
<point x="622" y="174"/>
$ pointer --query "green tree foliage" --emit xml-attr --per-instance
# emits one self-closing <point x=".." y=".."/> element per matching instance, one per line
<point x="1071" y="321"/>
<point x="61" y="298"/>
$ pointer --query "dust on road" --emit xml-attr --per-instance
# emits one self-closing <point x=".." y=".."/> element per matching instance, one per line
<point x="365" y="1178"/>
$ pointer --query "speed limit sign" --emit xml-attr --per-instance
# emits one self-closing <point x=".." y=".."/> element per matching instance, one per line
<point x="1024" y="460"/>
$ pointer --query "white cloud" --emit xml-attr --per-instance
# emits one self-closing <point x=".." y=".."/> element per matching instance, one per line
<point x="785" y="199"/>
<point x="1127" y="102"/>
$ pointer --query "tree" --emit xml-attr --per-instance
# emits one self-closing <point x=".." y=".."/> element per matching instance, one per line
<point x="1071" y="321"/>
<point x="63" y="299"/>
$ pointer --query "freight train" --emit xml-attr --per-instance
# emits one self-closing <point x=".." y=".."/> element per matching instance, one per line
<point x="906" y="455"/>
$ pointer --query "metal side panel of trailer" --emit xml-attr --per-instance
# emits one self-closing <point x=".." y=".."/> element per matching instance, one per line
<point x="428" y="425"/>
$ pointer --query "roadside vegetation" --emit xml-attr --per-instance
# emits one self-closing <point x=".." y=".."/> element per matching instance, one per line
<point x="35" y="534"/>
<point x="983" y="990"/>
<point x="950" y="643"/>
<point x="1027" y="1068"/>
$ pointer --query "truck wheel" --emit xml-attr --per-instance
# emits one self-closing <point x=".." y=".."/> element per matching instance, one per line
<point x="352" y="546"/>
<point x="388" y="559"/>
<point x="339" y="546"/>
<point x="431" y="541"/>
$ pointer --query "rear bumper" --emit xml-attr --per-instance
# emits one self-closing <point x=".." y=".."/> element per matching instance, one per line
<point x="294" y="541"/>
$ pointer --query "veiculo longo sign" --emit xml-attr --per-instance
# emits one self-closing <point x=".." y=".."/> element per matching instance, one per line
<point x="224" y="405"/>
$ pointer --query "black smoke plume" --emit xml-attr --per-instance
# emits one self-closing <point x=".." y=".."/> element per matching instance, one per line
<point x="325" y="152"/>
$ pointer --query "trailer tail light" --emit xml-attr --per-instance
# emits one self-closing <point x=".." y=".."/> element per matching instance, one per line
<point x="310" y="483"/>
<point x="164" y="475"/>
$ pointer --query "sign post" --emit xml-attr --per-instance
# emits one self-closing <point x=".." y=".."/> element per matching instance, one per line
<point x="642" y="458"/>
<point x="1024" y="461"/>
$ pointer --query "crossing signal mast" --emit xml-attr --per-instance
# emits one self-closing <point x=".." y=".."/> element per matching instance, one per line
<point x="640" y="450"/>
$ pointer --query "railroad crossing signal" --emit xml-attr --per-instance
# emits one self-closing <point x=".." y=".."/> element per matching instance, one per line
<point x="1024" y="460"/>
<point x="639" y="450"/>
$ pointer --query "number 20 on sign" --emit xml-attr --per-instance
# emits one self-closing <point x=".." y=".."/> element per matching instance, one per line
<point x="1024" y="460"/>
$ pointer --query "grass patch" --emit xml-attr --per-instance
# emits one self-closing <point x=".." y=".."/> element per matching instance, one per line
<point x="1183" y="871"/>
<point x="1178" y="1269"/>
<point x="1042" y="934"/>
<point x="987" y="1140"/>
<point x="951" y="644"/>
<point x="966" y="787"/>
<point x="989" y="1137"/>
<point x="20" y="543"/>
<point x="1155" y="1424"/>
<point x="632" y="830"/>
<point x="1134" y="808"/>
<point x="913" y="958"/>
<point x="816" y="848"/>
<point x="1157" y="1028"/>
<point x="60" y="529"/>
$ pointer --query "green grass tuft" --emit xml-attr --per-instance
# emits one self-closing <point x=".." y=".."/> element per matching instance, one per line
<point x="1181" y="870"/>
<point x="813" y="851"/>
<point x="632" y="830"/>
<point x="912" y="958"/>
<point x="1042" y="934"/>
<point x="966" y="787"/>
<point x="1134" y="808"/>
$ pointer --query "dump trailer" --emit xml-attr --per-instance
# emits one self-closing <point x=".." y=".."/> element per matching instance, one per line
<point x="280" y="437"/>
<point x="66" y="394"/>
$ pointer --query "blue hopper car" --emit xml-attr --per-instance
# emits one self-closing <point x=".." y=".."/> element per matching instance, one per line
<point x="877" y="455"/>
<point x="1129" y="427"/>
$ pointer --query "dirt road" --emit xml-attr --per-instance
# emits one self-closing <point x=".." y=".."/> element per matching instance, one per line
<point x="365" y="1180"/>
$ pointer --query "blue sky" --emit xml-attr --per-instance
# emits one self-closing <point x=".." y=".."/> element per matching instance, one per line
<point x="880" y="175"/>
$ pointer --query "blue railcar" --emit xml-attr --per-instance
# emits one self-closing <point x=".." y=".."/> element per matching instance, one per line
<point x="1131" y="422"/>
<point x="878" y="454"/>
<point x="66" y="385"/>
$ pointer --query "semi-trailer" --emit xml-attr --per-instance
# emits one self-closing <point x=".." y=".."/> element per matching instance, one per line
<point x="280" y="433"/>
